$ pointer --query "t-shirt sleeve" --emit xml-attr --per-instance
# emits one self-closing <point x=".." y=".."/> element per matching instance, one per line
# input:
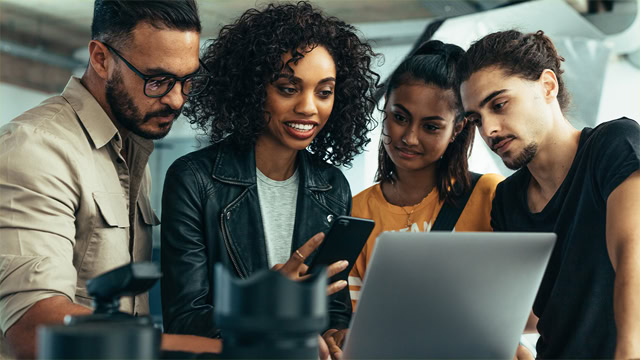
<point x="616" y="154"/>
<point x="359" y="268"/>
<point x="356" y="276"/>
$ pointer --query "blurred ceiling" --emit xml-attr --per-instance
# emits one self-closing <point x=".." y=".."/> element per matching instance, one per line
<point x="39" y="38"/>
<point x="67" y="22"/>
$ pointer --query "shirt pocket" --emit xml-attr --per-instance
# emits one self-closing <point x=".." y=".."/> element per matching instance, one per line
<point x="114" y="209"/>
<point x="108" y="245"/>
<point x="149" y="216"/>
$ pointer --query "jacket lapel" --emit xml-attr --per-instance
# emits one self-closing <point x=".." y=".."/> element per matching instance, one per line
<point x="241" y="219"/>
<point x="312" y="215"/>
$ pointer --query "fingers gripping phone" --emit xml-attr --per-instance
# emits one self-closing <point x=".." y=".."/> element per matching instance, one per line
<point x="344" y="241"/>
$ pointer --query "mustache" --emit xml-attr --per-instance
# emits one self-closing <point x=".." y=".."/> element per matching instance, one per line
<point x="163" y="113"/>
<point x="495" y="140"/>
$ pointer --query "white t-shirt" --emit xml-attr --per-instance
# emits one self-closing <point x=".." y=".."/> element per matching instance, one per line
<point x="278" y="200"/>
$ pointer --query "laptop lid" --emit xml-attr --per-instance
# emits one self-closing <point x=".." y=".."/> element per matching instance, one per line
<point x="447" y="294"/>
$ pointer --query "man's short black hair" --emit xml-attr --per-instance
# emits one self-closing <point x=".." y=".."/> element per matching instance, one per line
<point x="113" y="20"/>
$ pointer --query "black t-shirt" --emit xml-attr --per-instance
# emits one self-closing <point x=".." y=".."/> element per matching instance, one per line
<point x="575" y="300"/>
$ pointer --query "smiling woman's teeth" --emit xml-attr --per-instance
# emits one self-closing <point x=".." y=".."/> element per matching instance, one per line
<point x="300" y="127"/>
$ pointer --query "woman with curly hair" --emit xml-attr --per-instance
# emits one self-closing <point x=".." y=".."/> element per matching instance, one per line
<point x="289" y="94"/>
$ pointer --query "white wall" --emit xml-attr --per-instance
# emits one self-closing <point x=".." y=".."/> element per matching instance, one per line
<point x="620" y="91"/>
<point x="14" y="100"/>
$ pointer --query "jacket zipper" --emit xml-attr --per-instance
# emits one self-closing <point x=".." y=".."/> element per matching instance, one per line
<point x="227" y="236"/>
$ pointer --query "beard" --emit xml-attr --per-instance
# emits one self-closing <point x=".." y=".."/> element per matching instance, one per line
<point x="525" y="156"/>
<point x="127" y="113"/>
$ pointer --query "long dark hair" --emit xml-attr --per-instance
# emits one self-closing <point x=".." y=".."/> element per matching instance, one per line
<point x="247" y="55"/>
<point x="436" y="63"/>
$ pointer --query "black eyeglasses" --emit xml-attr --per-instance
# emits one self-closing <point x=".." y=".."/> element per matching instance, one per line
<point x="159" y="85"/>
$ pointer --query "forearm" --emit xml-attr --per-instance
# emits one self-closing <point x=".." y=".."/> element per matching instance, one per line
<point x="191" y="343"/>
<point x="623" y="246"/>
<point x="21" y="336"/>
<point x="627" y="308"/>
<point x="532" y="323"/>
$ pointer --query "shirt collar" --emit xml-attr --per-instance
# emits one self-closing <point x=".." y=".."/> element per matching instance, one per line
<point x="95" y="120"/>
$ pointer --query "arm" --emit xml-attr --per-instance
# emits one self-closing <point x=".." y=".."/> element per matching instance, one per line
<point x="532" y="323"/>
<point x="623" y="245"/>
<point x="21" y="337"/>
<point x="53" y="310"/>
<point x="40" y="197"/>
<point x="186" y="291"/>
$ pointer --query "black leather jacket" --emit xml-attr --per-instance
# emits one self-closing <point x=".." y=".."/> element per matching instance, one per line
<point x="211" y="213"/>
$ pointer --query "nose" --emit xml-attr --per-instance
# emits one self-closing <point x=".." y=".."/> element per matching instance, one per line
<point x="174" y="98"/>
<point x="410" y="136"/>
<point x="490" y="126"/>
<point x="306" y="104"/>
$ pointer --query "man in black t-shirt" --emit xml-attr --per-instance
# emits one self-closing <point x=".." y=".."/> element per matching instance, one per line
<point x="582" y="185"/>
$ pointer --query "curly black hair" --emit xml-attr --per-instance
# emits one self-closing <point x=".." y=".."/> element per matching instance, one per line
<point x="247" y="56"/>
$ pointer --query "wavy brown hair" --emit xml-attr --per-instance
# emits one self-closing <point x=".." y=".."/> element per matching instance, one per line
<point x="435" y="63"/>
<point x="247" y="56"/>
<point x="520" y="54"/>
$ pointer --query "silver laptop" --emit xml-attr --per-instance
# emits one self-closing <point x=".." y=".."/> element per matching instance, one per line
<point x="447" y="295"/>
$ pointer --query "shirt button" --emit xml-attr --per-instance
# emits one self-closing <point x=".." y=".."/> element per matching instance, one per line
<point x="329" y="218"/>
<point x="228" y="215"/>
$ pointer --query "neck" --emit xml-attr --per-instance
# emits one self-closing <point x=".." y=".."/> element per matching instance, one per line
<point x="410" y="187"/>
<point x="275" y="162"/>
<point x="96" y="86"/>
<point x="554" y="157"/>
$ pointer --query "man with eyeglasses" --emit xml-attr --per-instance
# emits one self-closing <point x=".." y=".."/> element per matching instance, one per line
<point x="74" y="178"/>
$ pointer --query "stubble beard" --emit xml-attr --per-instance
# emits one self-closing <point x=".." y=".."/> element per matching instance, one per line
<point x="526" y="155"/>
<point x="127" y="113"/>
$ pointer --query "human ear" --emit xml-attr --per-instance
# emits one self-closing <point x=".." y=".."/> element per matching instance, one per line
<point x="457" y="128"/>
<point x="98" y="58"/>
<point x="549" y="83"/>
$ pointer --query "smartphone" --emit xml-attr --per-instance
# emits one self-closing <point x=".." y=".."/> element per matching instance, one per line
<point x="344" y="241"/>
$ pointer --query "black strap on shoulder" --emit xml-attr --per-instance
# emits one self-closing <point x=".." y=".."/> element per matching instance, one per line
<point x="449" y="214"/>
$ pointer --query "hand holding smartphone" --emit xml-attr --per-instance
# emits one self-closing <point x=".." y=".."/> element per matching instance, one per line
<point x="344" y="241"/>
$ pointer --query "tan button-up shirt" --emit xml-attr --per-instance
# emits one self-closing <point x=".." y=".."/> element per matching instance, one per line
<point x="71" y="207"/>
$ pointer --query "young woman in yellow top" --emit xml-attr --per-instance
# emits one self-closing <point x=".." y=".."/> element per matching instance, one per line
<point x="424" y="149"/>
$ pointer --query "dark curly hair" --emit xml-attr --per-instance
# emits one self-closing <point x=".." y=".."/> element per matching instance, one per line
<point x="247" y="56"/>
<point x="524" y="55"/>
<point x="436" y="63"/>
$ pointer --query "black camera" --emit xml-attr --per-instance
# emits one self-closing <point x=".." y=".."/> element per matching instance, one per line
<point x="269" y="316"/>
<point x="108" y="333"/>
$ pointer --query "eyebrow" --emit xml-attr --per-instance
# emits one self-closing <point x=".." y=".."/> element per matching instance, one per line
<point x="298" y="80"/>
<point x="435" y="117"/>
<point x="157" y="71"/>
<point x="486" y="100"/>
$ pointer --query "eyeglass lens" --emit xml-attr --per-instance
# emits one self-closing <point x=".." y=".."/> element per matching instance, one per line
<point x="161" y="85"/>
